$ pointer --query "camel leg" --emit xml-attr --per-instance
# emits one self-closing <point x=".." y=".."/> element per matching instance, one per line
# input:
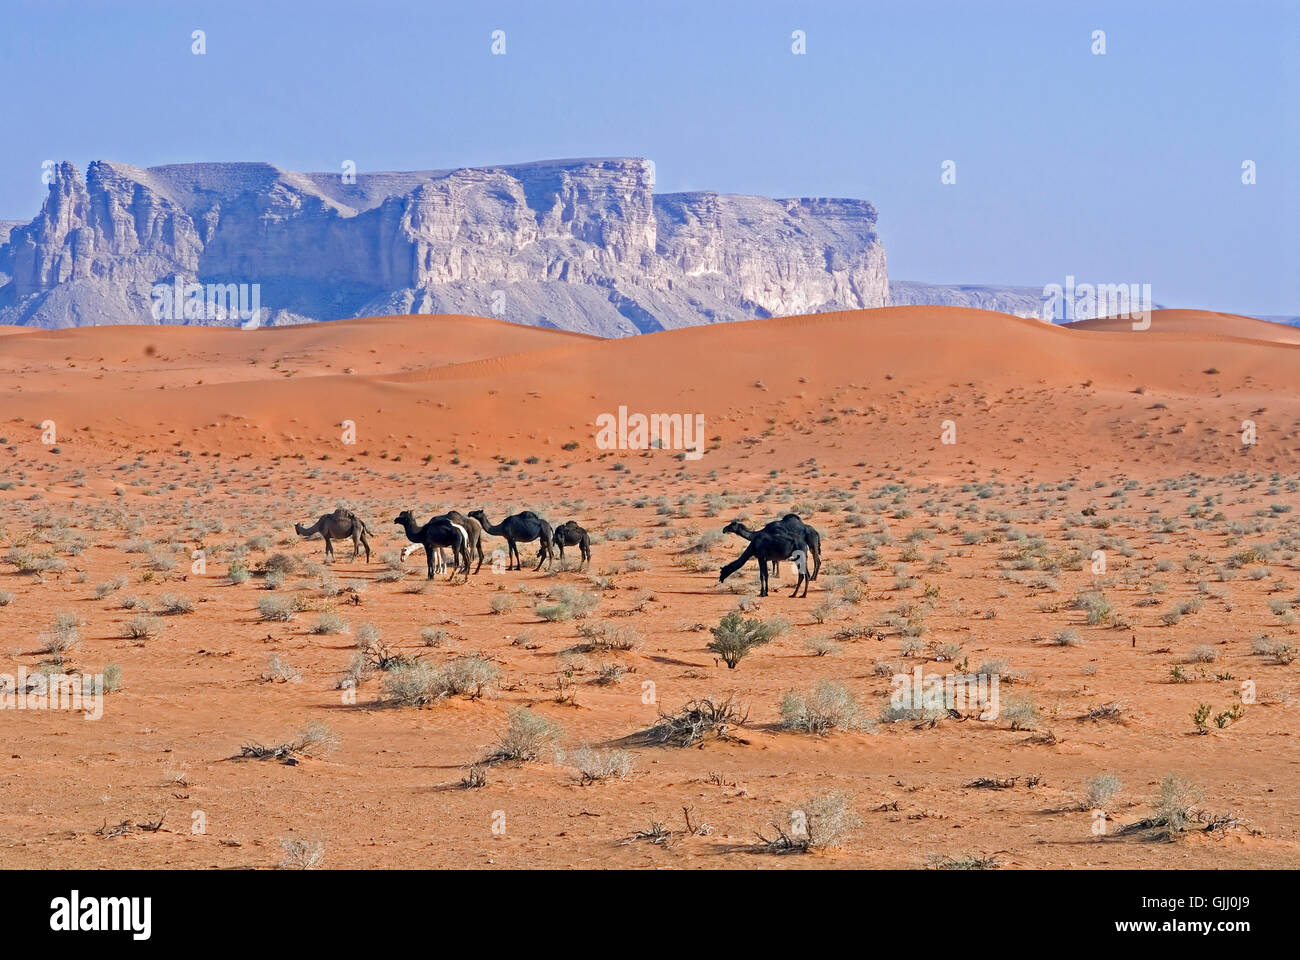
<point x="543" y="553"/>
<point x="762" y="578"/>
<point x="365" y="542"/>
<point x="479" y="545"/>
<point x="356" y="544"/>
<point x="329" y="549"/>
<point x="428" y="559"/>
<point x="514" y="556"/>
<point x="559" y="545"/>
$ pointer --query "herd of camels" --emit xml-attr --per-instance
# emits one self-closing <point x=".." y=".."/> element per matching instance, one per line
<point x="786" y="539"/>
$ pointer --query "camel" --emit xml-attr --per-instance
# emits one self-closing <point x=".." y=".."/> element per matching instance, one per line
<point x="800" y="530"/>
<point x="569" y="534"/>
<point x="769" y="546"/>
<point x="520" y="528"/>
<point x="337" y="525"/>
<point x="473" y="533"/>
<point x="438" y="532"/>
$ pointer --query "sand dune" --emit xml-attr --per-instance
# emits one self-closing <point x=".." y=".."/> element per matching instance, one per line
<point x="1019" y="390"/>
<point x="1198" y="323"/>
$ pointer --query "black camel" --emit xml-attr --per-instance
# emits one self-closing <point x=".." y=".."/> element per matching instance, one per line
<point x="438" y="532"/>
<point x="791" y="523"/>
<point x="520" y="528"/>
<point x="569" y="534"/>
<point x="769" y="546"/>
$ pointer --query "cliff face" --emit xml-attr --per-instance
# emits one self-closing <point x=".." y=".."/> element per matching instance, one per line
<point x="577" y="244"/>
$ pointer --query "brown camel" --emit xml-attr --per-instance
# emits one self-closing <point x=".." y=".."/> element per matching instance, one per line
<point x="336" y="526"/>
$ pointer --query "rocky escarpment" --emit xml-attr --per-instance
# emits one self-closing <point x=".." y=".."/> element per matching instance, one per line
<point x="577" y="244"/>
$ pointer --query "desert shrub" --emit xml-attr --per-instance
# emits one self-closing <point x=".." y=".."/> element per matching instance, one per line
<point x="819" y="822"/>
<point x="567" y="603"/>
<point x="605" y="636"/>
<point x="1096" y="608"/>
<point x="1175" y="808"/>
<point x="282" y="563"/>
<point x="734" y="637"/>
<point x="312" y="740"/>
<point x="414" y="684"/>
<point x="470" y="676"/>
<point x="829" y="707"/>
<point x="596" y="764"/>
<point x="696" y="721"/>
<point x="821" y="646"/>
<point x="300" y="854"/>
<point x="277" y="671"/>
<point x="501" y="603"/>
<point x="64" y="634"/>
<point x="526" y="737"/>
<point x="1067" y="638"/>
<point x="275" y="608"/>
<point x="1021" y="714"/>
<point x="897" y="713"/>
<point x="143" y="627"/>
<point x="112" y="678"/>
<point x="175" y="605"/>
<point x="1099" y="791"/>
<point x="109" y="586"/>
<point x="329" y="623"/>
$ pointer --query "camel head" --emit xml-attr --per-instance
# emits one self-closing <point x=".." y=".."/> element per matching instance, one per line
<point x="480" y="516"/>
<point x="735" y="526"/>
<point x="299" y="529"/>
<point x="405" y="517"/>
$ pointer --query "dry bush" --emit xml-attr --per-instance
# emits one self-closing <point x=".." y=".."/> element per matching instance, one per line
<point x="820" y="822"/>
<point x="696" y="721"/>
<point x="526" y="737"/>
<point x="829" y="707"/>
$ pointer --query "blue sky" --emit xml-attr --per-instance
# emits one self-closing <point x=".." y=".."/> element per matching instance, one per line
<point x="1117" y="168"/>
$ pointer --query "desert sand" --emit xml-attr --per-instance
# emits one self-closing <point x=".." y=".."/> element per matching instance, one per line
<point x="959" y="555"/>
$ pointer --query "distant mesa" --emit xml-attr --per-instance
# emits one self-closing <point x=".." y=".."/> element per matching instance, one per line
<point x="580" y="245"/>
